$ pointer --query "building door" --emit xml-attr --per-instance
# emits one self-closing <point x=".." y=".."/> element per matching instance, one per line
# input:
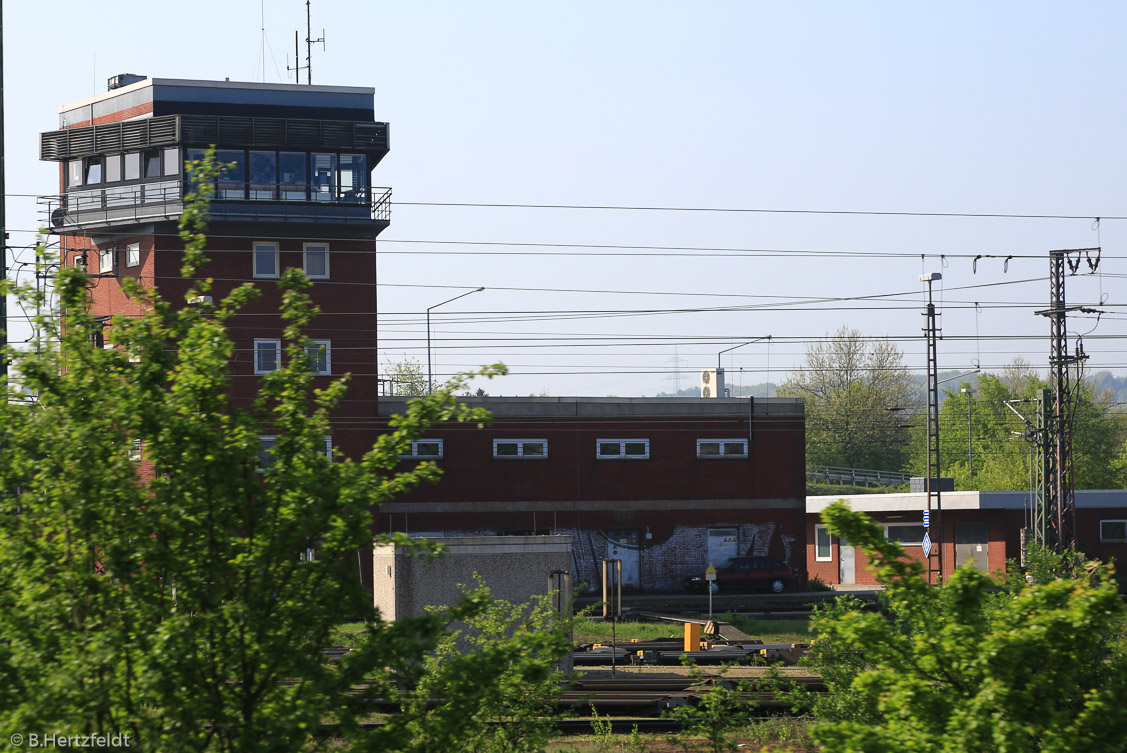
<point x="723" y="544"/>
<point x="623" y="545"/>
<point x="847" y="568"/>
<point x="972" y="544"/>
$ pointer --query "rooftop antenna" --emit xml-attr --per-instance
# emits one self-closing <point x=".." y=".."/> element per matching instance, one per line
<point x="309" y="42"/>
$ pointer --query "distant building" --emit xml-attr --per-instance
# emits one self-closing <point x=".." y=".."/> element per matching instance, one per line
<point x="982" y="528"/>
<point x="667" y="485"/>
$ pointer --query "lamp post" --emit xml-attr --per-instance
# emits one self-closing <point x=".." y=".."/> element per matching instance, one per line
<point x="430" y="375"/>
<point x="719" y="370"/>
<point x="969" y="392"/>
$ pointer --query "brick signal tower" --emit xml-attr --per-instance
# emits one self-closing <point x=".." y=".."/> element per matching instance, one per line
<point x="299" y="195"/>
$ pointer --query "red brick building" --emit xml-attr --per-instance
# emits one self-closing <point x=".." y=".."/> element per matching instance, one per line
<point x="983" y="527"/>
<point x="298" y="194"/>
<point x="666" y="485"/>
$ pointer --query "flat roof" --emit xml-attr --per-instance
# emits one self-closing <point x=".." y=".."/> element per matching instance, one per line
<point x="205" y="84"/>
<point x="609" y="407"/>
<point x="972" y="500"/>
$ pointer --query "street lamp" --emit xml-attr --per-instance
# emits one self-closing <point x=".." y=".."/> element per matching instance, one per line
<point x="430" y="375"/>
<point x="720" y="371"/>
<point x="969" y="392"/>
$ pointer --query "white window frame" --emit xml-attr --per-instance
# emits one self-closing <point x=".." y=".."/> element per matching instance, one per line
<point x="133" y="255"/>
<point x="266" y="444"/>
<point x="329" y="447"/>
<point x="722" y="455"/>
<point x="106" y="261"/>
<point x="305" y="248"/>
<point x="327" y="349"/>
<point x="621" y="449"/>
<point x="254" y="251"/>
<point x="136" y="450"/>
<point x="277" y="354"/>
<point x="888" y="526"/>
<point x="1113" y="541"/>
<point x="520" y="443"/>
<point x="412" y="453"/>
<point x="818" y="557"/>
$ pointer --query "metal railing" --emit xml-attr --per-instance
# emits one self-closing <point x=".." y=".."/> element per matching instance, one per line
<point x="161" y="200"/>
<point x="855" y="476"/>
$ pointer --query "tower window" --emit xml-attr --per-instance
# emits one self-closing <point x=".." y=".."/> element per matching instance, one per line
<point x="74" y="172"/>
<point x="93" y="170"/>
<point x="319" y="353"/>
<point x="316" y="263"/>
<point x="267" y="356"/>
<point x="113" y="168"/>
<point x="152" y="163"/>
<point x="172" y="161"/>
<point x="265" y="259"/>
<point x="133" y="166"/>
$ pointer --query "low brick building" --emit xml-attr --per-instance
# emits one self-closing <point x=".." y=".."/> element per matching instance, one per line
<point x="980" y="527"/>
<point x="666" y="485"/>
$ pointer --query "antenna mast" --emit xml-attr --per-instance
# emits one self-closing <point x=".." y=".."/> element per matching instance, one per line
<point x="309" y="42"/>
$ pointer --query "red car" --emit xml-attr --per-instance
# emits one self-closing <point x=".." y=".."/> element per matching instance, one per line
<point x="745" y="574"/>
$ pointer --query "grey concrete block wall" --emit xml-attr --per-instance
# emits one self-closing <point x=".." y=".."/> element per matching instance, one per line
<point x="514" y="567"/>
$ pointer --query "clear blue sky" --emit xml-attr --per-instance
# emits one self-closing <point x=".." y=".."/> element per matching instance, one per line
<point x="891" y="107"/>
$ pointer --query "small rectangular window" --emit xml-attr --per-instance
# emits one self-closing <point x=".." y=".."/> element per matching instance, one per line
<point x="319" y="353"/>
<point x="292" y="176"/>
<point x="266" y="446"/>
<point x="267" y="356"/>
<point x="105" y="261"/>
<point x="424" y="449"/>
<point x="74" y="173"/>
<point x="133" y="166"/>
<point x="1113" y="531"/>
<point x="172" y="161"/>
<point x="324" y="177"/>
<point x="329" y="448"/>
<point x="622" y="449"/>
<point x="133" y="255"/>
<point x="263" y="174"/>
<point x="232" y="174"/>
<point x="353" y="177"/>
<point x="93" y="170"/>
<point x="113" y="168"/>
<point x="152" y="163"/>
<point x="316" y="261"/>
<point x="906" y="534"/>
<point x="265" y="259"/>
<point x="526" y="449"/>
<point x="135" y="449"/>
<point x="823" y="548"/>
<point x="732" y="449"/>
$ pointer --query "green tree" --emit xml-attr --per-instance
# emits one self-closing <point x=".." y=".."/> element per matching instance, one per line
<point x="855" y="388"/>
<point x="964" y="667"/>
<point x="406" y="377"/>
<point x="1003" y="447"/>
<point x="175" y="608"/>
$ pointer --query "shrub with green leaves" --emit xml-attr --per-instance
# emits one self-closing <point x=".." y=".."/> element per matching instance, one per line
<point x="177" y="609"/>
<point x="968" y="667"/>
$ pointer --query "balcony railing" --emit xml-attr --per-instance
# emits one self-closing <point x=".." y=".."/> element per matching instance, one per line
<point x="164" y="200"/>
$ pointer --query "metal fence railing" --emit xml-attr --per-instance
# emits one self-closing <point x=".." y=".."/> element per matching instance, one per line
<point x="855" y="476"/>
<point x="146" y="202"/>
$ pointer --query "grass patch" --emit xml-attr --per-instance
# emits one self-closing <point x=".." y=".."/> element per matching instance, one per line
<point x="346" y="634"/>
<point x="588" y="630"/>
<point x="773" y="631"/>
<point x="768" y="631"/>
